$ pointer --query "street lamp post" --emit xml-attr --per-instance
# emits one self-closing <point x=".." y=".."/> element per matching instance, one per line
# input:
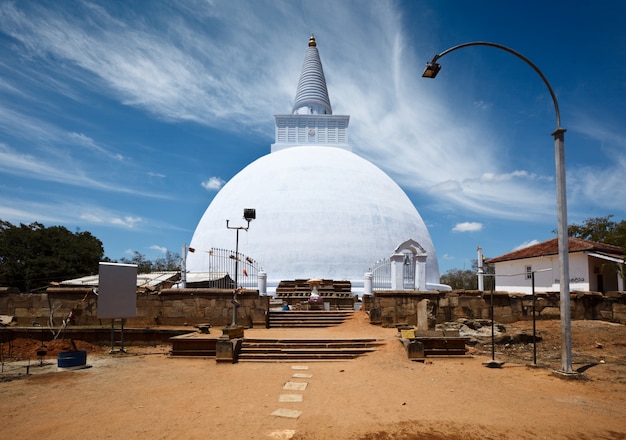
<point x="431" y="71"/>
<point x="248" y="215"/>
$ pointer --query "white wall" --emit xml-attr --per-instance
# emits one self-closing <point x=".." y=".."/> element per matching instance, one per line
<point x="511" y="275"/>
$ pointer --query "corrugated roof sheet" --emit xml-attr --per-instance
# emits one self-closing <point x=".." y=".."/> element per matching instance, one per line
<point x="143" y="279"/>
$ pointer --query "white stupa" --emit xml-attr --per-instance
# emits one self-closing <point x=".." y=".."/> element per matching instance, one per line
<point x="321" y="210"/>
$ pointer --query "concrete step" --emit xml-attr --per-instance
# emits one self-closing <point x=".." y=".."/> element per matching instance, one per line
<point x="307" y="318"/>
<point x="300" y="349"/>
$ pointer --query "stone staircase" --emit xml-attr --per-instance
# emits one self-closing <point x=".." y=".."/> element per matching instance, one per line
<point x="294" y="350"/>
<point x="307" y="318"/>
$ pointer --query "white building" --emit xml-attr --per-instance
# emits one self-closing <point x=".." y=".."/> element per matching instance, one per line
<point x="593" y="267"/>
<point x="321" y="210"/>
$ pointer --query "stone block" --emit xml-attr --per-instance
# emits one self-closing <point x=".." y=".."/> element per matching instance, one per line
<point x="376" y="315"/>
<point x="23" y="312"/>
<point x="415" y="350"/>
<point x="191" y="311"/>
<point x="550" y="313"/>
<point x="619" y="308"/>
<point x="619" y="313"/>
<point x="232" y="332"/>
<point x="225" y="350"/>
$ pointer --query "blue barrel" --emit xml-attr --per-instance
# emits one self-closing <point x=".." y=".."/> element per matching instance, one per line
<point x="69" y="359"/>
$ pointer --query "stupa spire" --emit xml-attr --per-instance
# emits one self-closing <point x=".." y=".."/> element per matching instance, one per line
<point x="311" y="121"/>
<point x="312" y="95"/>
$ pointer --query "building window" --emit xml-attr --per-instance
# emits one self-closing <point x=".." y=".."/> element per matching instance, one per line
<point x="529" y="272"/>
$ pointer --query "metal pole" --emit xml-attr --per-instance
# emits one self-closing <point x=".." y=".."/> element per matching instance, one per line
<point x="183" y="272"/>
<point x="564" y="303"/>
<point x="534" y="321"/>
<point x="249" y="214"/>
<point x="493" y="336"/>
<point x="481" y="272"/>
<point x="234" y="323"/>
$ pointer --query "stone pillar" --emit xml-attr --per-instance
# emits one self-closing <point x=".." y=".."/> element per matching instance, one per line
<point x="397" y="271"/>
<point x="420" y="272"/>
<point x="367" y="283"/>
<point x="422" y="314"/>
<point x="415" y="350"/>
<point x="262" y="283"/>
<point x="227" y="350"/>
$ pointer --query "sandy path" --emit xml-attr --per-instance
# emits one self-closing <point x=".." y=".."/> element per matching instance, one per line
<point x="147" y="395"/>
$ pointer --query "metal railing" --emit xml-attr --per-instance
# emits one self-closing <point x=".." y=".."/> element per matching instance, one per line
<point x="223" y="261"/>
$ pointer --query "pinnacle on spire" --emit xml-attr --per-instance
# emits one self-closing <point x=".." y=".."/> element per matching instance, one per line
<point x="312" y="95"/>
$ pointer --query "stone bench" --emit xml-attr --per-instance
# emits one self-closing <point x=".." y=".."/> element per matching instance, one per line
<point x="425" y="343"/>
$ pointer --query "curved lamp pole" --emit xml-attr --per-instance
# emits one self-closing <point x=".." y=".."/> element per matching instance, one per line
<point x="432" y="68"/>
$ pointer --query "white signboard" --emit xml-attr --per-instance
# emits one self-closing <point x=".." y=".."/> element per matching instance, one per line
<point x="117" y="291"/>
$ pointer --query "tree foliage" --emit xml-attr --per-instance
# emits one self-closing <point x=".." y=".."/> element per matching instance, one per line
<point x="601" y="230"/>
<point x="465" y="279"/>
<point x="460" y="279"/>
<point x="170" y="261"/>
<point x="32" y="256"/>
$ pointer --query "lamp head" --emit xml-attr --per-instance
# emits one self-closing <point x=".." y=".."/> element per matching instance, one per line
<point x="249" y="214"/>
<point x="432" y="69"/>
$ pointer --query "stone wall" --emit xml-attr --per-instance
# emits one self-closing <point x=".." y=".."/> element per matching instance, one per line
<point x="171" y="307"/>
<point x="401" y="307"/>
<point x="177" y="307"/>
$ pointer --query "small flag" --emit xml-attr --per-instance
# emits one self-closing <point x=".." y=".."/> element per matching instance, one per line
<point x="245" y="272"/>
<point x="248" y="260"/>
<point x="232" y="257"/>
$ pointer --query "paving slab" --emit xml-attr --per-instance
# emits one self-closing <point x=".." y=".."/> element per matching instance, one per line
<point x="284" y="434"/>
<point x="302" y="375"/>
<point x="287" y="413"/>
<point x="290" y="398"/>
<point x="299" y="367"/>
<point x="296" y="386"/>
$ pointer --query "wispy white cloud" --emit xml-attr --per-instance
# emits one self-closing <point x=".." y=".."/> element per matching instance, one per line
<point x="65" y="211"/>
<point x="86" y="142"/>
<point x="221" y="65"/>
<point x="213" y="183"/>
<point x="66" y="172"/>
<point x="467" y="227"/>
<point x="599" y="185"/>
<point x="158" y="248"/>
<point x="100" y="217"/>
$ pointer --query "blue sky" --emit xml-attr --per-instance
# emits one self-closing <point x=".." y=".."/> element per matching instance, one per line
<point x="125" y="118"/>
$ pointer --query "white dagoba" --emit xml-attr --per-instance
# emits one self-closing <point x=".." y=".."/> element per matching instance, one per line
<point x="321" y="210"/>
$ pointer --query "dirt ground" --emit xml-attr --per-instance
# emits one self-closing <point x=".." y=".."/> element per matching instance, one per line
<point x="145" y="394"/>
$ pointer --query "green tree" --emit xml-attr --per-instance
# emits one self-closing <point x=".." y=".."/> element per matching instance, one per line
<point x="143" y="265"/>
<point x="601" y="230"/>
<point x="460" y="279"/>
<point x="170" y="261"/>
<point x="32" y="256"/>
<point x="466" y="279"/>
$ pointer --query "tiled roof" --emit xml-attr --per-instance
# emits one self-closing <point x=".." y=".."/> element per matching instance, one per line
<point x="551" y="247"/>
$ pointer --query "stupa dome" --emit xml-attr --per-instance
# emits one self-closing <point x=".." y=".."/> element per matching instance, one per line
<point x="321" y="210"/>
